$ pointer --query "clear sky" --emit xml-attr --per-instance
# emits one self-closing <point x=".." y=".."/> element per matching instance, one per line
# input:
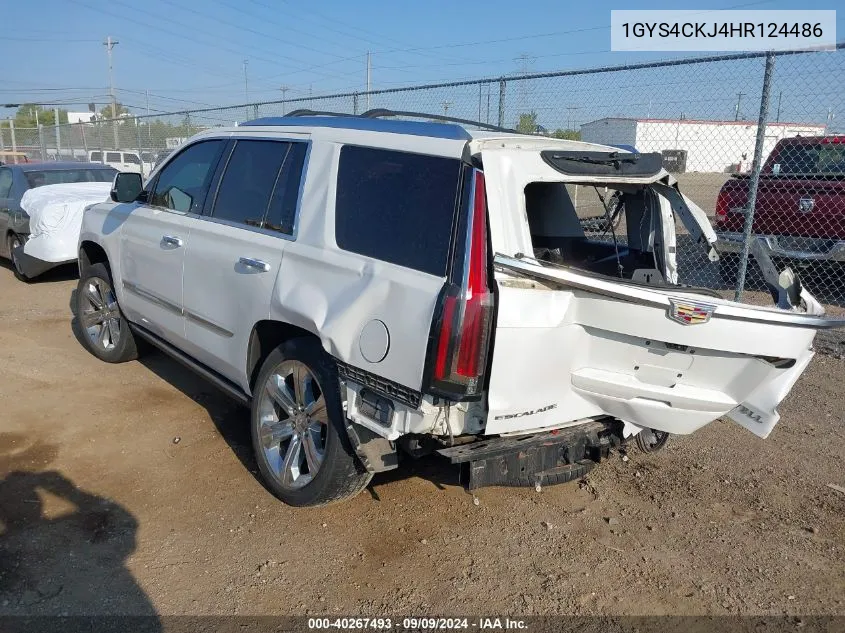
<point x="190" y="53"/>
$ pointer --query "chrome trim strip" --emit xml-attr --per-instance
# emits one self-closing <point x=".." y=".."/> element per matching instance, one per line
<point x="208" y="324"/>
<point x="660" y="298"/>
<point x="172" y="307"/>
<point x="151" y="297"/>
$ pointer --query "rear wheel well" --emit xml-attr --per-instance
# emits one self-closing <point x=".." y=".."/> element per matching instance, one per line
<point x="265" y="337"/>
<point x="92" y="253"/>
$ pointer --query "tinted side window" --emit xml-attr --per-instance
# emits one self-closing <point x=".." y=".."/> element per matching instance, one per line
<point x="5" y="182"/>
<point x="96" y="157"/>
<point x="131" y="158"/>
<point x="282" y="212"/>
<point x="397" y="207"/>
<point x="183" y="183"/>
<point x="248" y="181"/>
<point x="101" y="175"/>
<point x="39" y="178"/>
<point x="112" y="157"/>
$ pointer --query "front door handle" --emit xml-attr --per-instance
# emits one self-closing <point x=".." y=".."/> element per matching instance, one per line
<point x="256" y="264"/>
<point x="170" y="240"/>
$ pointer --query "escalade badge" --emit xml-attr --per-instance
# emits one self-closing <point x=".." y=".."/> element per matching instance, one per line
<point x="806" y="204"/>
<point x="689" y="312"/>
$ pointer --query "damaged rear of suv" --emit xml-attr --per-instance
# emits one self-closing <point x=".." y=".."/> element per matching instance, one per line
<point x="435" y="290"/>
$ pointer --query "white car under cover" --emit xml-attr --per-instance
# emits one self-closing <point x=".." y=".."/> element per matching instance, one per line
<point x="55" y="213"/>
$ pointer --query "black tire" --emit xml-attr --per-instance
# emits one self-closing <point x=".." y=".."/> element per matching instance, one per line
<point x="340" y="475"/>
<point x="651" y="441"/>
<point x="113" y="346"/>
<point x="12" y="242"/>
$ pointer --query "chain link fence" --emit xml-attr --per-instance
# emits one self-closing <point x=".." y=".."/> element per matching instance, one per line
<point x="731" y="128"/>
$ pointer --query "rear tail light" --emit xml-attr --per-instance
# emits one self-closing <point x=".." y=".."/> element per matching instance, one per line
<point x="722" y="206"/>
<point x="462" y="333"/>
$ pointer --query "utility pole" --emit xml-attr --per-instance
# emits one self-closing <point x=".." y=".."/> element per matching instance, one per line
<point x="526" y="61"/>
<point x="569" y="110"/>
<point x="284" y="90"/>
<point x="246" y="89"/>
<point x="149" y="131"/>
<point x="369" y="79"/>
<point x="109" y="44"/>
<point x="246" y="82"/>
<point x="58" y="133"/>
<point x="739" y="96"/>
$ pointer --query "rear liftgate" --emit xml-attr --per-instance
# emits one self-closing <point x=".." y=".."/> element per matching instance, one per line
<point x="553" y="457"/>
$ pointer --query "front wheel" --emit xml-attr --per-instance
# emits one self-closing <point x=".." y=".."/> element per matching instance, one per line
<point x="105" y="331"/>
<point x="14" y="241"/>
<point x="298" y="428"/>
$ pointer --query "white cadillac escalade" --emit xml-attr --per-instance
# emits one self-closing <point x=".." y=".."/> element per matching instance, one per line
<point x="372" y="286"/>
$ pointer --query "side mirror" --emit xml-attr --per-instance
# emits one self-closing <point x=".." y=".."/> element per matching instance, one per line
<point x="126" y="187"/>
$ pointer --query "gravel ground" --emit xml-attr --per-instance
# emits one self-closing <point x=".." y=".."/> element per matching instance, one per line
<point x="131" y="489"/>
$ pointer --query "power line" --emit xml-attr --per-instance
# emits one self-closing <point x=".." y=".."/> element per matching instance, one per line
<point x="158" y="28"/>
<point x="346" y="33"/>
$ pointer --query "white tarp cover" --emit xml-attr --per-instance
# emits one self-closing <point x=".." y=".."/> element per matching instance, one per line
<point x="55" y="217"/>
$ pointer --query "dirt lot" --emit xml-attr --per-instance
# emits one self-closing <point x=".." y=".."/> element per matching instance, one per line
<point x="103" y="511"/>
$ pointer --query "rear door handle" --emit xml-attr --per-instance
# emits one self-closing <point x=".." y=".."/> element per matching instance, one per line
<point x="256" y="264"/>
<point x="170" y="240"/>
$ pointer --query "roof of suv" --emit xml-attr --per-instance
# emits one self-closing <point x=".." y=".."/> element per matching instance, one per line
<point x="429" y="129"/>
<point x="449" y="131"/>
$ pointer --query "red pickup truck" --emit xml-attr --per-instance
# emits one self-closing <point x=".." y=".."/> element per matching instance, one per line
<point x="799" y="216"/>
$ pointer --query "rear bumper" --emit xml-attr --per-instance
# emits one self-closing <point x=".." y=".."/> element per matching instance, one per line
<point x="543" y="458"/>
<point x="32" y="266"/>
<point x="795" y="248"/>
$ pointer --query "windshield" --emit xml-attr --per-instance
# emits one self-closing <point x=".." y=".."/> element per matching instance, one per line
<point x="61" y="176"/>
<point x="810" y="160"/>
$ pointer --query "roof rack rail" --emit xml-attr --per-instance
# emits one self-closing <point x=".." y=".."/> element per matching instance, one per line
<point x="377" y="113"/>
<point x="306" y="112"/>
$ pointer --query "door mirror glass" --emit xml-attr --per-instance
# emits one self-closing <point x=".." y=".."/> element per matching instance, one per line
<point x="126" y="187"/>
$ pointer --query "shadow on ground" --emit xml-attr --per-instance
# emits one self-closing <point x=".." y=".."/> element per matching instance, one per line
<point x="232" y="422"/>
<point x="62" y="549"/>
<point x="65" y="272"/>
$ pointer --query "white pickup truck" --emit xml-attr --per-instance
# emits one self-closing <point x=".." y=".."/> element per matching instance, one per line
<point x="371" y="286"/>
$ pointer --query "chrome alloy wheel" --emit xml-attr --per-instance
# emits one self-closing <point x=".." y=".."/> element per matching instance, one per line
<point x="100" y="315"/>
<point x="293" y="424"/>
<point x="14" y="242"/>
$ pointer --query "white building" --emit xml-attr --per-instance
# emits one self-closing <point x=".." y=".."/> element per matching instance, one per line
<point x="711" y="146"/>
<point x="79" y="117"/>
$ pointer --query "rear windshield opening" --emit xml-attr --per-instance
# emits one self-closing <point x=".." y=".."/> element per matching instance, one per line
<point x="574" y="225"/>
<point x="60" y="176"/>
<point x="808" y="160"/>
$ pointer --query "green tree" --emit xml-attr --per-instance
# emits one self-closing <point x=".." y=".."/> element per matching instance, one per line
<point x="106" y="112"/>
<point x="527" y="123"/>
<point x="570" y="135"/>
<point x="30" y="115"/>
